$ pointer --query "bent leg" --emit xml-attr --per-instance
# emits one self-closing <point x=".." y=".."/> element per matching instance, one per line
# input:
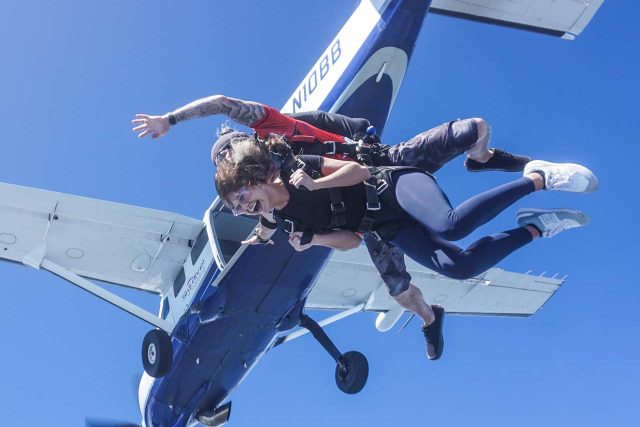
<point x="332" y="122"/>
<point x="421" y="197"/>
<point x="432" y="149"/>
<point x="452" y="261"/>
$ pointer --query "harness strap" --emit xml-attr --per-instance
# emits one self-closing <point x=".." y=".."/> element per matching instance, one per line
<point x="305" y="144"/>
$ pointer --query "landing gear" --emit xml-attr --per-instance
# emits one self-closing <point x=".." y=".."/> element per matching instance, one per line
<point x="352" y="368"/>
<point x="157" y="353"/>
<point x="353" y="374"/>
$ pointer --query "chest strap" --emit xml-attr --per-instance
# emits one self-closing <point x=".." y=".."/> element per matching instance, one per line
<point x="305" y="144"/>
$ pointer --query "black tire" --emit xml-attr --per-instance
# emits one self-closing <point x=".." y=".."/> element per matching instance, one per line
<point x="157" y="353"/>
<point x="354" y="376"/>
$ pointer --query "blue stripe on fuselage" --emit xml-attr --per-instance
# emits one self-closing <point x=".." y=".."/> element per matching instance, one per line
<point x="401" y="23"/>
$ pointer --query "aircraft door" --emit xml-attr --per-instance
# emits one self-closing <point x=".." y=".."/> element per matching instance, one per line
<point x="226" y="231"/>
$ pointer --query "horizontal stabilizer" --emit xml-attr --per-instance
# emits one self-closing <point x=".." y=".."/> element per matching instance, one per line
<point x="127" y="245"/>
<point x="562" y="18"/>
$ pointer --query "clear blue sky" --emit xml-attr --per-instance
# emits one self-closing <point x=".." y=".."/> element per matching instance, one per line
<point x="74" y="73"/>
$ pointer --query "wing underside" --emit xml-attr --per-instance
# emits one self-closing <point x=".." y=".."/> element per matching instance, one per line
<point x="562" y="18"/>
<point x="111" y="242"/>
<point x="350" y="280"/>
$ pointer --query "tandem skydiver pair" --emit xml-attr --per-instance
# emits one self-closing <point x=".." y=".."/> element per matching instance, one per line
<point x="414" y="215"/>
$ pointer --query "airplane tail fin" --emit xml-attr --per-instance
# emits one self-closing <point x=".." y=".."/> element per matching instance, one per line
<point x="361" y="71"/>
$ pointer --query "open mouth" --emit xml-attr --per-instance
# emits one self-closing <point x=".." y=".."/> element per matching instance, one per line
<point x="256" y="207"/>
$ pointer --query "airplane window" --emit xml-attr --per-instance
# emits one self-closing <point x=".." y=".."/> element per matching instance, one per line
<point x="165" y="309"/>
<point x="179" y="282"/>
<point x="200" y="244"/>
<point x="230" y="230"/>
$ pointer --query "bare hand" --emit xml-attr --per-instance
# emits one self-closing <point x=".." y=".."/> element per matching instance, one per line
<point x="294" y="240"/>
<point x="300" y="178"/>
<point x="157" y="126"/>
<point x="255" y="240"/>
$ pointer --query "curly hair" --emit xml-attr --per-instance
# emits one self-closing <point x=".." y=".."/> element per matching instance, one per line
<point x="249" y="162"/>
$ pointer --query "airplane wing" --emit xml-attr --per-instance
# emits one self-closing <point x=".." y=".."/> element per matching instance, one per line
<point x="145" y="248"/>
<point x="351" y="282"/>
<point x="562" y="18"/>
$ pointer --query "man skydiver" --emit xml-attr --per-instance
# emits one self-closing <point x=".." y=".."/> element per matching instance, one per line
<point x="429" y="151"/>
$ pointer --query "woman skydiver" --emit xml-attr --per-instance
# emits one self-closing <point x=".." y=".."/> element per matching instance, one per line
<point x="414" y="213"/>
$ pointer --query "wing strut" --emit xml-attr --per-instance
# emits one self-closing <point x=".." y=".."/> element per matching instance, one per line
<point x="110" y="297"/>
<point x="322" y="323"/>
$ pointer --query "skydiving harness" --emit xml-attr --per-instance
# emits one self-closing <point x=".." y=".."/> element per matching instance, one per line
<point x="364" y="147"/>
<point x="376" y="187"/>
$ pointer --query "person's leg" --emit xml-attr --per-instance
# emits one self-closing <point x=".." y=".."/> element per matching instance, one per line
<point x="421" y="197"/>
<point x="334" y="123"/>
<point x="432" y="149"/>
<point x="452" y="261"/>
<point x="389" y="261"/>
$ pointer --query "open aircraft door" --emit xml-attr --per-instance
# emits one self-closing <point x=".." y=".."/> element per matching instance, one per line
<point x="226" y="231"/>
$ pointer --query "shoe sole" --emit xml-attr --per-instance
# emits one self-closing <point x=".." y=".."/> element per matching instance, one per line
<point x="441" y="349"/>
<point x="594" y="183"/>
<point x="524" y="216"/>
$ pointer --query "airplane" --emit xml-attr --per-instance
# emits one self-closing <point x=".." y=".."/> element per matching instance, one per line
<point x="209" y="288"/>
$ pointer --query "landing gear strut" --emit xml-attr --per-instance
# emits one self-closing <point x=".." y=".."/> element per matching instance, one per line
<point x="352" y="368"/>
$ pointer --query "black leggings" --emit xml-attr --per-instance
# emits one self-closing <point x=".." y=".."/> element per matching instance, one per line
<point x="429" y="241"/>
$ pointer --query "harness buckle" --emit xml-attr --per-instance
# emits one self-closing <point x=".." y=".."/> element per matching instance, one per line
<point x="338" y="208"/>
<point x="381" y="186"/>
<point x="289" y="226"/>
<point x="332" y="144"/>
<point x="373" y="206"/>
<point x="300" y="164"/>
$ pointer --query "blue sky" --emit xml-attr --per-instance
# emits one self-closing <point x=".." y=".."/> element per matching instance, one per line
<point x="74" y="74"/>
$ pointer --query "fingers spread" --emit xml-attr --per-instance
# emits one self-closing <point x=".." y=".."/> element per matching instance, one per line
<point x="141" y="127"/>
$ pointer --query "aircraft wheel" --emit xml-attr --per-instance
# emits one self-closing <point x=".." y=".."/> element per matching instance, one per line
<point x="353" y="376"/>
<point x="157" y="353"/>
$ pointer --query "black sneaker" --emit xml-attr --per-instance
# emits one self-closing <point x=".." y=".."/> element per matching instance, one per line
<point x="500" y="161"/>
<point x="433" y="334"/>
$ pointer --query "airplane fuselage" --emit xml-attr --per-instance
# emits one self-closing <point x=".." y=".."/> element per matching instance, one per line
<point x="230" y="325"/>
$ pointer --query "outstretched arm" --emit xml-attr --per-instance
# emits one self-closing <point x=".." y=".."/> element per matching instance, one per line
<point x="243" y="112"/>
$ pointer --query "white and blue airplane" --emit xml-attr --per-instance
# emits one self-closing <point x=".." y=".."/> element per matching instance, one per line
<point x="218" y="316"/>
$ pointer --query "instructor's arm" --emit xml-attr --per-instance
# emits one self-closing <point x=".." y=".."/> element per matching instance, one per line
<point x="243" y="112"/>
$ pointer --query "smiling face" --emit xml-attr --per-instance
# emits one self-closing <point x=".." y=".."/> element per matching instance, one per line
<point x="249" y="200"/>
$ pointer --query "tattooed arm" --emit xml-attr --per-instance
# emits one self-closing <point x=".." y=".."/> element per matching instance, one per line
<point x="243" y="112"/>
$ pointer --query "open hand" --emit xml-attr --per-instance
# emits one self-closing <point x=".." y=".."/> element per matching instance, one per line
<point x="156" y="126"/>
<point x="300" y="179"/>
<point x="294" y="240"/>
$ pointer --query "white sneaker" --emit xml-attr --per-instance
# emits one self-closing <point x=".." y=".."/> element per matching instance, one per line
<point x="564" y="176"/>
<point x="551" y="221"/>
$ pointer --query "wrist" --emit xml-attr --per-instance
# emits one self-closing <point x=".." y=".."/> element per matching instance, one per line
<point x="171" y="119"/>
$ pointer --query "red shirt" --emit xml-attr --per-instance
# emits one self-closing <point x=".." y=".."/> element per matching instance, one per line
<point x="280" y="124"/>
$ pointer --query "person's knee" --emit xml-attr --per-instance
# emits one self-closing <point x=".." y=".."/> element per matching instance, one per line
<point x="452" y="233"/>
<point x="461" y="271"/>
<point x="482" y="128"/>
